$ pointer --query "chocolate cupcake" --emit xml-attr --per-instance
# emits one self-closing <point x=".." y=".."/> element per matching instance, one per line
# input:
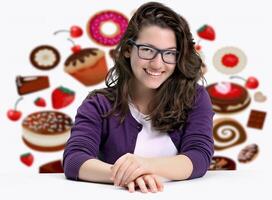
<point x="88" y="66"/>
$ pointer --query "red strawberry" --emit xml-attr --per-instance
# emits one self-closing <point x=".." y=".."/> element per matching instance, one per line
<point x="40" y="102"/>
<point x="62" y="97"/>
<point x="206" y="32"/>
<point x="27" y="159"/>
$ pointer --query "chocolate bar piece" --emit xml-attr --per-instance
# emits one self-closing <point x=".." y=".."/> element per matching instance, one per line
<point x="29" y="84"/>
<point x="256" y="119"/>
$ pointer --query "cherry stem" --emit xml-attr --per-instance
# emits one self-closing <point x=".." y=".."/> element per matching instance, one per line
<point x="237" y="77"/>
<point x="16" y="103"/>
<point x="59" y="31"/>
<point x="69" y="39"/>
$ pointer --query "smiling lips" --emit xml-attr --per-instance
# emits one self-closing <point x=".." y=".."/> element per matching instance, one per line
<point x="152" y="73"/>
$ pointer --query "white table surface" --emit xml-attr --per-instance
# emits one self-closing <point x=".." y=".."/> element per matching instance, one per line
<point x="217" y="185"/>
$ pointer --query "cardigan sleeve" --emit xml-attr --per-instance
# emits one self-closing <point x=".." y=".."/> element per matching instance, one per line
<point x="85" y="137"/>
<point x="197" y="141"/>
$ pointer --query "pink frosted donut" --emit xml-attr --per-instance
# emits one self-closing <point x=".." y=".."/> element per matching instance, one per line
<point x="94" y="27"/>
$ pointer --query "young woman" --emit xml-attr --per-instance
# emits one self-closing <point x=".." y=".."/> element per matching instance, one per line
<point x="153" y="120"/>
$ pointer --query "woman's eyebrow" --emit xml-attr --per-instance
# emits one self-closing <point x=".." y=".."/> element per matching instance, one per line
<point x="150" y="45"/>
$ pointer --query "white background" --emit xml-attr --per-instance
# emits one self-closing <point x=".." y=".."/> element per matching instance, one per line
<point x="29" y="23"/>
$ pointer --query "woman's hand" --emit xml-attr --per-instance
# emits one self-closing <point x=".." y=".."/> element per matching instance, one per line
<point x="129" y="167"/>
<point x="146" y="183"/>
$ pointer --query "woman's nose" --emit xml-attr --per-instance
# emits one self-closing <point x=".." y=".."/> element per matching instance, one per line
<point x="157" y="62"/>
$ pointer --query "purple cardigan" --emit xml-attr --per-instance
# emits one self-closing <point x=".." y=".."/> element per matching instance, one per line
<point x="107" y="139"/>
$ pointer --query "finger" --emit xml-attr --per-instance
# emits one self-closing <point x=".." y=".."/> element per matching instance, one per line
<point x="158" y="183"/>
<point x="149" y="180"/>
<point x="117" y="164"/>
<point x="141" y="184"/>
<point x="121" y="172"/>
<point x="137" y="173"/>
<point x="130" y="170"/>
<point x="131" y="186"/>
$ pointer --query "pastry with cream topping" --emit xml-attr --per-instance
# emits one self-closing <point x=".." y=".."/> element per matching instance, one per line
<point x="45" y="57"/>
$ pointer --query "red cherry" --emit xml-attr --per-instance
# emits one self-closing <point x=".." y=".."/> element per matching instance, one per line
<point x="14" y="114"/>
<point x="75" y="31"/>
<point x="198" y="47"/>
<point x="76" y="48"/>
<point x="252" y="83"/>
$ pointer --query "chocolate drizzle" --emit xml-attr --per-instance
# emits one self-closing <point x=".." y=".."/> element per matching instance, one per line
<point x="80" y="56"/>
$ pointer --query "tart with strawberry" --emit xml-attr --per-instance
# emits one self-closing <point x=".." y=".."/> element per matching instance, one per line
<point x="229" y="60"/>
<point x="228" y="97"/>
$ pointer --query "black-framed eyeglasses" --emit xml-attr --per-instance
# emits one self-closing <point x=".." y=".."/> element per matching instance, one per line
<point x="148" y="52"/>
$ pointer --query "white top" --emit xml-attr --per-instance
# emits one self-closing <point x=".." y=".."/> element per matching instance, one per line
<point x="150" y="142"/>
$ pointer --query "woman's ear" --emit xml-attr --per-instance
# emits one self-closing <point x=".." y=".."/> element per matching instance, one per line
<point x="127" y="53"/>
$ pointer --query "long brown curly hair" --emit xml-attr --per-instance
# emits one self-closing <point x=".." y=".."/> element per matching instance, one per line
<point x="175" y="97"/>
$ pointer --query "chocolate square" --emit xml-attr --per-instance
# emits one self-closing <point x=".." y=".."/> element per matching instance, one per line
<point x="256" y="119"/>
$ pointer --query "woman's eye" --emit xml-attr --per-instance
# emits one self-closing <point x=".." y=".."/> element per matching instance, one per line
<point x="170" y="53"/>
<point x="146" y="49"/>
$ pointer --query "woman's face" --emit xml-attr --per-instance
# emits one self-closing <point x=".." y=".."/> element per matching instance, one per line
<point x="150" y="74"/>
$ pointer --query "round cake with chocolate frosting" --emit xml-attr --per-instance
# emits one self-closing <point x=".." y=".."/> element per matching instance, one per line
<point x="87" y="66"/>
<point x="228" y="97"/>
<point x="46" y="130"/>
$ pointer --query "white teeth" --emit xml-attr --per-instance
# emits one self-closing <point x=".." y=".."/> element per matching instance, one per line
<point x="153" y="73"/>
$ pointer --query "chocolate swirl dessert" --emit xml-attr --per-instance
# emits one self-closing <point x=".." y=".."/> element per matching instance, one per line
<point x="227" y="133"/>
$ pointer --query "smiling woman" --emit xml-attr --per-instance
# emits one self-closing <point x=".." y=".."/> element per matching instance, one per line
<point x="153" y="120"/>
<point x="151" y="65"/>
